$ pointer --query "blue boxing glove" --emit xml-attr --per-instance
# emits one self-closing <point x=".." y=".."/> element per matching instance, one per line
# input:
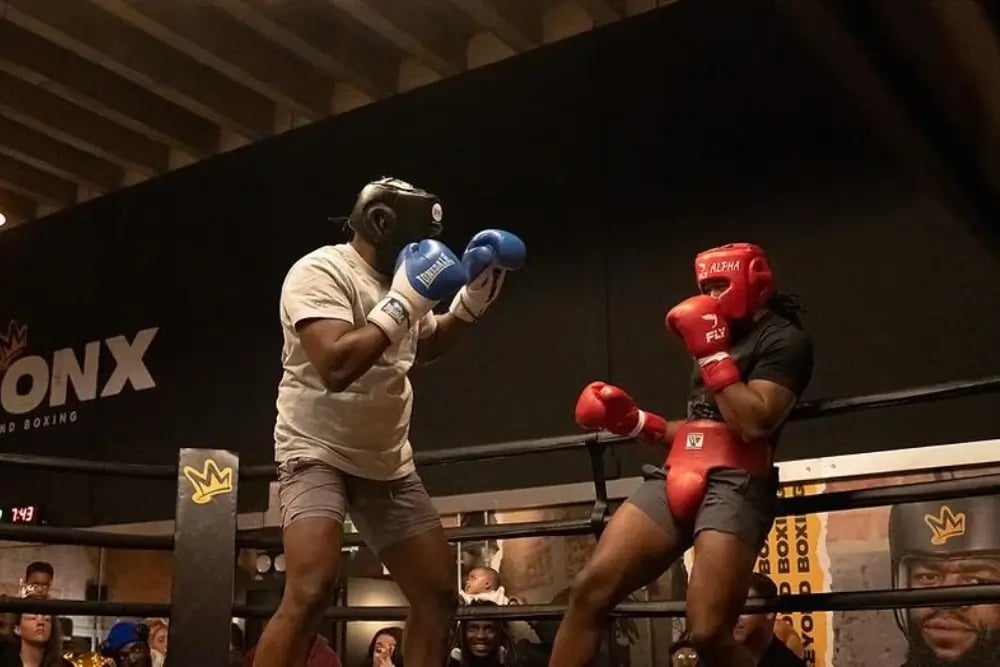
<point x="426" y="272"/>
<point x="489" y="256"/>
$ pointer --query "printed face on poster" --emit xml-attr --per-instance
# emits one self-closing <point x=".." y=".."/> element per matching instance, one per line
<point x="915" y="545"/>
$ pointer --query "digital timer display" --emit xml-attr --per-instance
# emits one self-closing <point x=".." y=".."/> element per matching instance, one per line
<point x="20" y="514"/>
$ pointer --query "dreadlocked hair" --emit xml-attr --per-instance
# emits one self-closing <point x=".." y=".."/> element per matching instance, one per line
<point x="787" y="306"/>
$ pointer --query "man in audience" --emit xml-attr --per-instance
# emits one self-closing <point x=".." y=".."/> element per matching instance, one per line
<point x="128" y="645"/>
<point x="37" y="579"/>
<point x="484" y="643"/>
<point x="756" y="631"/>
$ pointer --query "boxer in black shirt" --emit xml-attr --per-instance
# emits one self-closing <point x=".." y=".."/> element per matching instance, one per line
<point x="752" y="362"/>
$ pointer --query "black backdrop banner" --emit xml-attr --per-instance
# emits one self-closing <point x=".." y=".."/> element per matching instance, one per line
<point x="152" y="314"/>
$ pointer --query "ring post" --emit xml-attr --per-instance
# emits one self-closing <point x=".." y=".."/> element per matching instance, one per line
<point x="599" y="514"/>
<point x="203" y="566"/>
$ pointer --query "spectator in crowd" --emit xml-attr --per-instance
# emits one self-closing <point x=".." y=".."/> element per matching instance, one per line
<point x="482" y="580"/>
<point x="39" y="643"/>
<point x="37" y="579"/>
<point x="128" y="645"/>
<point x="385" y="649"/>
<point x="684" y="657"/>
<point x="321" y="654"/>
<point x="158" y="631"/>
<point x="756" y="631"/>
<point x="483" y="583"/>
<point x="484" y="643"/>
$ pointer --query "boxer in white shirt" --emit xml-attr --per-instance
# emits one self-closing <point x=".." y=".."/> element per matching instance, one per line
<point x="356" y="317"/>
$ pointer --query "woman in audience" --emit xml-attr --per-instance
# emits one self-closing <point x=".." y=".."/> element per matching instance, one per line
<point x="385" y="649"/>
<point x="157" y="640"/>
<point x="39" y="643"/>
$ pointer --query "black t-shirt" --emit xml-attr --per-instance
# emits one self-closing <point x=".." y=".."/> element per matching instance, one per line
<point x="771" y="349"/>
<point x="779" y="655"/>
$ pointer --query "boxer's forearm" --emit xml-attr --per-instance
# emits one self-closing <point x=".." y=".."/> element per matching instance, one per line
<point x="351" y="355"/>
<point x="663" y="439"/>
<point x="755" y="416"/>
<point x="448" y="331"/>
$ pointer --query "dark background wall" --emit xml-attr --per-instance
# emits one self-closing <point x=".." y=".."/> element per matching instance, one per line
<point x="616" y="156"/>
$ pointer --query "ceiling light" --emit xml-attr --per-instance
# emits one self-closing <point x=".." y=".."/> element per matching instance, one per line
<point x="3" y="219"/>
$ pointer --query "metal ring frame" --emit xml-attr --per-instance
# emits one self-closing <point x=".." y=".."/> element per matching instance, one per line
<point x="596" y="445"/>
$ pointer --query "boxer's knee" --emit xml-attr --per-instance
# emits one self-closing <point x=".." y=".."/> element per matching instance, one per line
<point x="309" y="593"/>
<point x="594" y="590"/>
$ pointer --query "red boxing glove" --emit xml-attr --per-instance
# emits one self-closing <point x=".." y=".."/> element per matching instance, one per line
<point x="605" y="406"/>
<point x="705" y="331"/>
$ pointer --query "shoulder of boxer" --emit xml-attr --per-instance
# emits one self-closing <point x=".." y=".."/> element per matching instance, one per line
<point x="319" y="285"/>
<point x="784" y="355"/>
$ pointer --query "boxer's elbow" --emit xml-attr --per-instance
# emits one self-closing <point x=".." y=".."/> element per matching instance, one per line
<point x="756" y="427"/>
<point x="754" y="433"/>
<point x="334" y="370"/>
<point x="335" y="382"/>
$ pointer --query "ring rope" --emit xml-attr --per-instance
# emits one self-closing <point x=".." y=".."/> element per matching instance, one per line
<point x="809" y="410"/>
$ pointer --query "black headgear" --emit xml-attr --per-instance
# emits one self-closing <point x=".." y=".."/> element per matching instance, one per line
<point x="940" y="529"/>
<point x="390" y="213"/>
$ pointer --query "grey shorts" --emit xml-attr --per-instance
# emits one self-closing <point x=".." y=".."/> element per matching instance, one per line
<point x="384" y="512"/>
<point x="734" y="503"/>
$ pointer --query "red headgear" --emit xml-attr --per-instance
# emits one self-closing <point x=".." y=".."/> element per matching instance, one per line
<point x="745" y="267"/>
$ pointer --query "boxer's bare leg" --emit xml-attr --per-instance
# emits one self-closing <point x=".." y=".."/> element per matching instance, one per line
<point x="424" y="569"/>
<point x="312" y="556"/>
<point x="633" y="551"/>
<point x="716" y="593"/>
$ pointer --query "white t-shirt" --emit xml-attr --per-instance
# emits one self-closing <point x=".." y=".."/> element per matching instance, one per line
<point x="364" y="429"/>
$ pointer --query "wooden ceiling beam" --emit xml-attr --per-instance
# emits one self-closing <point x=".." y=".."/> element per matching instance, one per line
<point x="36" y="184"/>
<point x="108" y="41"/>
<point x="339" y="56"/>
<point x="35" y="60"/>
<point x="397" y="24"/>
<point x="215" y="39"/>
<point x="82" y="129"/>
<point x="41" y="151"/>
<point x="518" y="25"/>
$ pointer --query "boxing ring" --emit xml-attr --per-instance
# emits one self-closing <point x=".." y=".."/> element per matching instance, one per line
<point x="205" y="540"/>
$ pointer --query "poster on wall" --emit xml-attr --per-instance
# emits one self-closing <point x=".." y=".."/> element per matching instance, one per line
<point x="913" y="545"/>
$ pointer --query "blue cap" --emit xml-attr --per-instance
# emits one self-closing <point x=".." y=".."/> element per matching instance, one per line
<point x="122" y="634"/>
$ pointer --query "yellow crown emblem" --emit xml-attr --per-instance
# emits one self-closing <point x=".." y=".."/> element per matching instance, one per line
<point x="13" y="344"/>
<point x="209" y="481"/>
<point x="945" y="525"/>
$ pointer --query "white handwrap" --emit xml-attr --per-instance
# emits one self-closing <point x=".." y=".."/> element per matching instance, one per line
<point x="472" y="300"/>
<point x="639" y="425"/>
<point x="397" y="313"/>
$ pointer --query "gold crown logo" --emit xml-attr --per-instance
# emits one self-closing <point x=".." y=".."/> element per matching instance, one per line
<point x="945" y="525"/>
<point x="209" y="481"/>
<point x="13" y="344"/>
